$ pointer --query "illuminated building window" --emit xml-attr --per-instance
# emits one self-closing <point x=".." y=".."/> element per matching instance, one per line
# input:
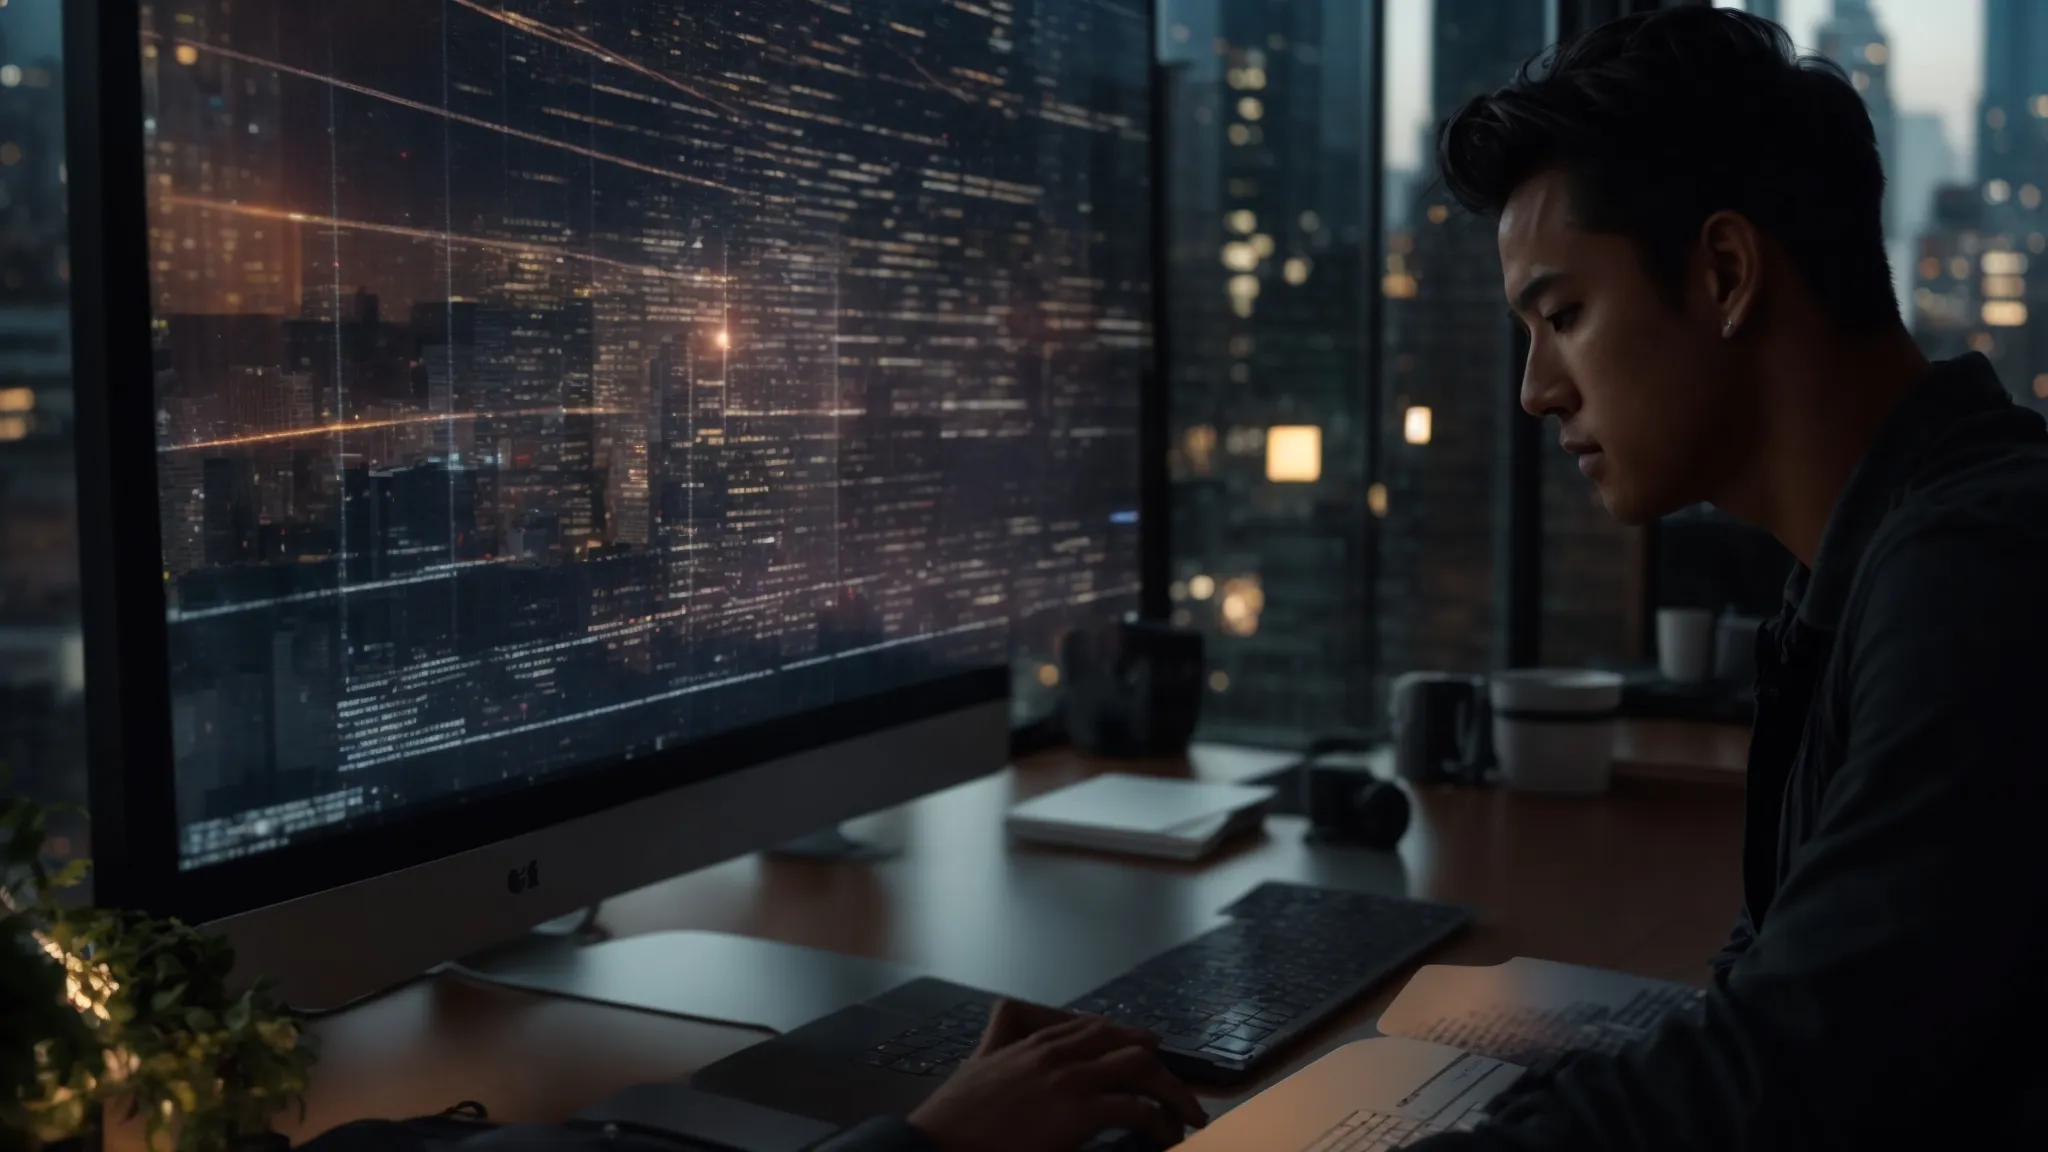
<point x="2004" y="313"/>
<point x="2005" y="287"/>
<point x="1243" y="600"/>
<point x="1874" y="53"/>
<point x="1049" y="675"/>
<point x="17" y="400"/>
<point x="2040" y="104"/>
<point x="1243" y="222"/>
<point x="187" y="55"/>
<point x="1982" y="342"/>
<point x="1239" y="135"/>
<point x="1997" y="191"/>
<point x="2002" y="263"/>
<point x="1263" y="245"/>
<point x="1201" y="587"/>
<point x="1438" y="213"/>
<point x="1244" y="294"/>
<point x="1859" y="80"/>
<point x="1249" y="108"/>
<point x="1930" y="267"/>
<point x="1310" y="222"/>
<point x="1294" y="454"/>
<point x="1959" y="268"/>
<point x="1296" y="270"/>
<point x="1415" y="424"/>
<point x="1239" y="256"/>
<point x="1219" y="681"/>
<point x="2030" y="196"/>
<point x="1397" y="286"/>
<point x="2041" y="386"/>
<point x="10" y="75"/>
<point x="1376" y="499"/>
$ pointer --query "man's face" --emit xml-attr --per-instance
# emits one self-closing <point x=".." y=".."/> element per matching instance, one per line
<point x="1637" y="384"/>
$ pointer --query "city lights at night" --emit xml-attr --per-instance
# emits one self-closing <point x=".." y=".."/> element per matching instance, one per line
<point x="539" y="385"/>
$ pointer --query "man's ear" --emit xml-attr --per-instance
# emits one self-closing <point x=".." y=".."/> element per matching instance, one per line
<point x="1733" y="270"/>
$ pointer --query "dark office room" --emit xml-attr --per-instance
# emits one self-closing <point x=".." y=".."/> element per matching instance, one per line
<point x="1023" y="575"/>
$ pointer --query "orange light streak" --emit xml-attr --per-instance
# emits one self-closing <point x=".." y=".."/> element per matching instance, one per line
<point x="348" y="426"/>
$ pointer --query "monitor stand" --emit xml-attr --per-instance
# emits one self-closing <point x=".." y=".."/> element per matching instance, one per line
<point x="834" y="845"/>
<point x="711" y="976"/>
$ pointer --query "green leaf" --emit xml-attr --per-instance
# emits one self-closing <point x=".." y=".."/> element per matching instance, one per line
<point x="71" y="875"/>
<point x="163" y="1000"/>
<point x="238" y="1015"/>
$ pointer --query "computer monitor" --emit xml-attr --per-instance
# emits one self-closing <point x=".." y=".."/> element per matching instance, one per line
<point x="532" y="448"/>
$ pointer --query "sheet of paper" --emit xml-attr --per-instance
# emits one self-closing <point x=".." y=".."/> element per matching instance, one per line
<point x="1380" y="1092"/>
<point x="1532" y="1012"/>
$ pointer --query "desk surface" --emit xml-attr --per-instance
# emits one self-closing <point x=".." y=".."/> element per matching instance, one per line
<point x="1643" y="879"/>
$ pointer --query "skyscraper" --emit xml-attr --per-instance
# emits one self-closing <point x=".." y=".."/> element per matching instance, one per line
<point x="2011" y="276"/>
<point x="1447" y="383"/>
<point x="213" y="142"/>
<point x="1853" y="39"/>
<point x="1269" y="406"/>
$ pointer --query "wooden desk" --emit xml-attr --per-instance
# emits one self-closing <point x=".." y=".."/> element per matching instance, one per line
<point x="1643" y="879"/>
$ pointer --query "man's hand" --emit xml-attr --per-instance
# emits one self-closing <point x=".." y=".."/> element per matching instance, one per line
<point x="1048" y="1081"/>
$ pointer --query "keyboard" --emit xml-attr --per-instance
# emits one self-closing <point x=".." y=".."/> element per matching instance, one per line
<point x="1291" y="957"/>
<point x="1364" y="1131"/>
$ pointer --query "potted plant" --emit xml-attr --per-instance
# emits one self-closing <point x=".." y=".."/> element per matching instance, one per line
<point x="147" y="1023"/>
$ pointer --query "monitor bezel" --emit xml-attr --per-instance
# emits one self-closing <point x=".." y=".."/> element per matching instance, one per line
<point x="129" y="741"/>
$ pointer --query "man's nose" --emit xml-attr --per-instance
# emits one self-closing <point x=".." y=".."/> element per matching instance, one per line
<point x="1546" y="387"/>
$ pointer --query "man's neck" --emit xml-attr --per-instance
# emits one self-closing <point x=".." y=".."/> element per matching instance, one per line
<point x="1822" y="403"/>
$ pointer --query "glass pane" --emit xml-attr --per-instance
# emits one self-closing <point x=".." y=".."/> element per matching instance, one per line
<point x="1448" y="370"/>
<point x="41" y="662"/>
<point x="1269" y="413"/>
<point x="1958" y="93"/>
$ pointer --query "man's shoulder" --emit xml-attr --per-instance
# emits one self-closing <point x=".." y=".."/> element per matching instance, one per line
<point x="1967" y="542"/>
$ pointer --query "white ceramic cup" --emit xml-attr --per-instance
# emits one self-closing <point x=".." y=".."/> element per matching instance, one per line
<point x="1685" y="644"/>
<point x="1553" y="728"/>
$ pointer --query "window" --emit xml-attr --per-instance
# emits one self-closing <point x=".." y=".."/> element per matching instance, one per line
<point x="1448" y="364"/>
<point x="1270" y="429"/>
<point x="1338" y="505"/>
<point x="41" y="660"/>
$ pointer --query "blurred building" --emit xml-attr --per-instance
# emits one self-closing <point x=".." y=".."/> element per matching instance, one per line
<point x="1269" y="423"/>
<point x="41" y="663"/>
<point x="1448" y="382"/>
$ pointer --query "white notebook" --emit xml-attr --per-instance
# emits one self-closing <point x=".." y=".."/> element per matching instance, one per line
<point x="1142" y="815"/>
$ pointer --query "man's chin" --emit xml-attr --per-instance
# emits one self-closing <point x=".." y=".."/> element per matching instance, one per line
<point x="1628" y="506"/>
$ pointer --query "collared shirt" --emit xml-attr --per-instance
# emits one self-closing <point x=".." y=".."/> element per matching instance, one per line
<point x="1883" y="984"/>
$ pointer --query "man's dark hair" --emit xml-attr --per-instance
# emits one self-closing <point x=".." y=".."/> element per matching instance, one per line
<point x="1664" y="118"/>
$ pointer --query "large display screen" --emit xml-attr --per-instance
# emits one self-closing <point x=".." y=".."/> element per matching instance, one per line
<point x="546" y="383"/>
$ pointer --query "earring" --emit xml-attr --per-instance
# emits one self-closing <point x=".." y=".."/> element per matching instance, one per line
<point x="1728" y="328"/>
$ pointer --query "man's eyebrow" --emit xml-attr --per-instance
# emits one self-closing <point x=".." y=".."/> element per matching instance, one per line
<point x="1535" y="287"/>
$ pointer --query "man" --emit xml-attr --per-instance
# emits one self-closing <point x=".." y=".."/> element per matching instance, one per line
<point x="1691" y="230"/>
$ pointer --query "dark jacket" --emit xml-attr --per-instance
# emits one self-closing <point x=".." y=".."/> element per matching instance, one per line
<point x="1886" y="984"/>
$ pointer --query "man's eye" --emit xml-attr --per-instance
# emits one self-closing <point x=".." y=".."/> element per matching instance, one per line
<point x="1563" y="317"/>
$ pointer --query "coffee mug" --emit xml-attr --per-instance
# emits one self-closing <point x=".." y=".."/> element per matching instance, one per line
<point x="1439" y="726"/>
<point x="1553" y="728"/>
<point x="1685" y="644"/>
